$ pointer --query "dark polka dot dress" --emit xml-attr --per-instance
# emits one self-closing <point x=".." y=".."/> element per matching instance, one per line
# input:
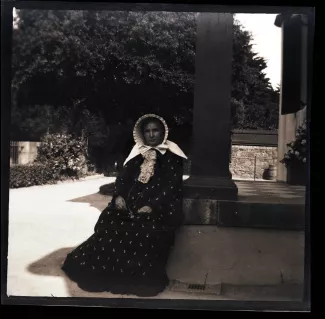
<point x="128" y="252"/>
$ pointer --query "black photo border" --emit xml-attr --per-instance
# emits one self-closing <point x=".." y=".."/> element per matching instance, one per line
<point x="6" y="34"/>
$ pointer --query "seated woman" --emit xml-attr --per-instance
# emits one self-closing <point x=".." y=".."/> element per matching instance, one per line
<point x="129" y="250"/>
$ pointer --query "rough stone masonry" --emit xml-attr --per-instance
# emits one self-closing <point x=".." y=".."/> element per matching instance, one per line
<point x="243" y="159"/>
<point x="247" y="159"/>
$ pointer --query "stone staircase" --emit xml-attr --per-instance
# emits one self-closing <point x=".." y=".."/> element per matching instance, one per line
<point x="260" y="204"/>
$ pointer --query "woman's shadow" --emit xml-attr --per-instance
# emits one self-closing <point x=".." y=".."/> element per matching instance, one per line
<point x="50" y="265"/>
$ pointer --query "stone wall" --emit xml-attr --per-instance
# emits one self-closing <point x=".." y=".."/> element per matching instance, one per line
<point x="245" y="160"/>
<point x="252" y="152"/>
<point x="26" y="152"/>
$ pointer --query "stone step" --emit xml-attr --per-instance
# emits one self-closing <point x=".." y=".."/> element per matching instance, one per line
<point x="284" y="292"/>
<point x="244" y="214"/>
<point x="261" y="215"/>
<point x="269" y="215"/>
<point x="280" y="292"/>
<point x="241" y="258"/>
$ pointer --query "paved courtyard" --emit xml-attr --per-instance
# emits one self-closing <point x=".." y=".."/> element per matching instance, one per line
<point x="46" y="222"/>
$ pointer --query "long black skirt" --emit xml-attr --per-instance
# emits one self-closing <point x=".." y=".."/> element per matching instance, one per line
<point x="125" y="255"/>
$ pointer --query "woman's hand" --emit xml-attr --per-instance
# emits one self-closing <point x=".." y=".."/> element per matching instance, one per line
<point x="120" y="203"/>
<point x="145" y="209"/>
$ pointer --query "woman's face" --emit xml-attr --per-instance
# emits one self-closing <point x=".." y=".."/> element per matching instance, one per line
<point x="153" y="134"/>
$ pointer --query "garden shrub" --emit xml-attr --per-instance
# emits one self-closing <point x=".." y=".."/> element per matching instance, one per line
<point x="30" y="175"/>
<point x="64" y="154"/>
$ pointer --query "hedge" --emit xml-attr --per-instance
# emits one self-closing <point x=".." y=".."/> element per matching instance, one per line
<point x="30" y="175"/>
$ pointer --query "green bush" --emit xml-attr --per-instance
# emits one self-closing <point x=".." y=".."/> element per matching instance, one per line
<point x="30" y="175"/>
<point x="64" y="154"/>
<point x="297" y="149"/>
<point x="59" y="157"/>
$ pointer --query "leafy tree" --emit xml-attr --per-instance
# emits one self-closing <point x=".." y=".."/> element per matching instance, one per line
<point x="254" y="102"/>
<point x="95" y="71"/>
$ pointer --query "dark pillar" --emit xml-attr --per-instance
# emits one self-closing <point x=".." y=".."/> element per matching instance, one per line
<point x="211" y="123"/>
<point x="292" y="65"/>
<point x="210" y="179"/>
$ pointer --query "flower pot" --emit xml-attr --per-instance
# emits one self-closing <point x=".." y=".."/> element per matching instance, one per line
<point x="270" y="173"/>
<point x="297" y="174"/>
